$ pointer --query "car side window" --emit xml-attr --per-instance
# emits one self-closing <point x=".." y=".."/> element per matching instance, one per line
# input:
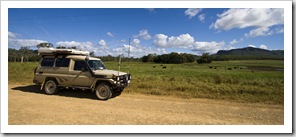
<point x="47" y="62"/>
<point x="79" y="65"/>
<point x="62" y="62"/>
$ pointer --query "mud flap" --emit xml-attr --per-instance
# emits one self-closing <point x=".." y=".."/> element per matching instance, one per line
<point x="41" y="88"/>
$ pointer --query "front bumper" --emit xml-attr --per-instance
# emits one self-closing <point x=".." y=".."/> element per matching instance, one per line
<point x="122" y="81"/>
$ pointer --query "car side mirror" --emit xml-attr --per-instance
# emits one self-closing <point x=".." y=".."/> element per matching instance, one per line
<point x="86" y="58"/>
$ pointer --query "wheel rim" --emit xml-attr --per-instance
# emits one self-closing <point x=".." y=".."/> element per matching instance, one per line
<point x="51" y="87"/>
<point x="103" y="92"/>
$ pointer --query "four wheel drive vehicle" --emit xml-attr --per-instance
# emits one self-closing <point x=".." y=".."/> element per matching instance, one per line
<point x="68" y="68"/>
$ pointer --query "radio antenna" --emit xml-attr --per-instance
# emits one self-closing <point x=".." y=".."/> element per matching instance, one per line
<point x="129" y="48"/>
<point x="119" y="61"/>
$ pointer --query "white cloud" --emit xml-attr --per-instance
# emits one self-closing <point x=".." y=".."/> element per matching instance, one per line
<point x="192" y="12"/>
<point x="137" y="51"/>
<point x="102" y="48"/>
<point x="17" y="43"/>
<point x="242" y="18"/>
<point x="182" y="41"/>
<point x="186" y="41"/>
<point x="279" y="30"/>
<point x="253" y="46"/>
<point x="136" y="42"/>
<point x="160" y="40"/>
<point x="12" y="35"/>
<point x="103" y="44"/>
<point x="263" y="46"/>
<point x="210" y="47"/>
<point x="87" y="46"/>
<point x="264" y="32"/>
<point x="261" y="19"/>
<point x="259" y="32"/>
<point x="143" y="34"/>
<point x="201" y="17"/>
<point x="110" y="34"/>
<point x="233" y="42"/>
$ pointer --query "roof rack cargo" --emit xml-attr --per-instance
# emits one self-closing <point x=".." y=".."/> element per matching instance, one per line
<point x="53" y="51"/>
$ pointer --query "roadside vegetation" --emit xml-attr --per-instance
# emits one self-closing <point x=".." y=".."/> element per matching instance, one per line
<point x="253" y="81"/>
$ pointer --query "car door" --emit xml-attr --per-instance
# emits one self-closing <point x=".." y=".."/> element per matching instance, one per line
<point x="80" y="74"/>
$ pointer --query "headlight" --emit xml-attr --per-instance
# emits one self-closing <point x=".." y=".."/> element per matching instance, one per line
<point x="115" y="78"/>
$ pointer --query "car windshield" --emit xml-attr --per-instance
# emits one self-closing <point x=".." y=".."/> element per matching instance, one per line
<point x="96" y="64"/>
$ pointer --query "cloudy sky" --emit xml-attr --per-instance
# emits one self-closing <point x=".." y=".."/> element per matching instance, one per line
<point x="107" y="31"/>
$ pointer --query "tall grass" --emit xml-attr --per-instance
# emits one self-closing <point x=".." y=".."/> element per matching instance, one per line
<point x="21" y="73"/>
<point x="192" y="80"/>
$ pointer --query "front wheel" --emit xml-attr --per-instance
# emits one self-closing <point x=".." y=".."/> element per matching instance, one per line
<point x="103" y="91"/>
<point x="51" y="87"/>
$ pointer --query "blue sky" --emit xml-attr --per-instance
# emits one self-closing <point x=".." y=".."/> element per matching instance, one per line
<point x="107" y="31"/>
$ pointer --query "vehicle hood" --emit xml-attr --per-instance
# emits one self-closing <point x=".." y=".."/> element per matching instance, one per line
<point x="108" y="73"/>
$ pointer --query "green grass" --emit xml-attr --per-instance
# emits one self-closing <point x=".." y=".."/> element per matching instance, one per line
<point x="193" y="80"/>
<point x="21" y="73"/>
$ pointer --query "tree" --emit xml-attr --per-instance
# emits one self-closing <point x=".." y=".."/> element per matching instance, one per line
<point x="46" y="45"/>
<point x="92" y="54"/>
<point x="13" y="55"/>
<point x="148" y="58"/>
<point x="205" y="58"/>
<point x="25" y="53"/>
<point x="174" y="57"/>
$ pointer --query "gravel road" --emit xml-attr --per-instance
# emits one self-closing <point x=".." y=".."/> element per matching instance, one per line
<point x="27" y="105"/>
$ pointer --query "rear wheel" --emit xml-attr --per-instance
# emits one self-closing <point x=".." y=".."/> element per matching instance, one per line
<point x="103" y="91"/>
<point x="51" y="87"/>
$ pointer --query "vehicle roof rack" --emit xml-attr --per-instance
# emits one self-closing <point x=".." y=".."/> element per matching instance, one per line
<point x="53" y="51"/>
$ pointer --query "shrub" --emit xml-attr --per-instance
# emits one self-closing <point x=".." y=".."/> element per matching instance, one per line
<point x="218" y="79"/>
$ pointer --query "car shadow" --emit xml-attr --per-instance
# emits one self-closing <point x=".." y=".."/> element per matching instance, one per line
<point x="77" y="93"/>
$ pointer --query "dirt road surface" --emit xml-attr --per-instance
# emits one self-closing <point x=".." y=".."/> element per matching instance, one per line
<point x="27" y="105"/>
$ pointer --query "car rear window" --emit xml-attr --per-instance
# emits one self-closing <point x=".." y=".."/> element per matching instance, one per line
<point x="62" y="62"/>
<point x="47" y="62"/>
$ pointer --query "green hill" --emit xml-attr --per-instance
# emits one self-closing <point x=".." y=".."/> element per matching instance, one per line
<point x="248" y="53"/>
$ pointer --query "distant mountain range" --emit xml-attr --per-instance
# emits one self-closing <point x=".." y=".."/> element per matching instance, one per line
<point x="249" y="53"/>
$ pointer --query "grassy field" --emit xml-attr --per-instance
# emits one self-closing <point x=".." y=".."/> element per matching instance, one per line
<point x="242" y="81"/>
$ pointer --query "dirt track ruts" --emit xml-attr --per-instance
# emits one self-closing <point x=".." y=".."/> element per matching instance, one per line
<point x="27" y="105"/>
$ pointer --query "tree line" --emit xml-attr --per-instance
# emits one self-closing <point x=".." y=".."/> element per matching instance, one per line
<point x="172" y="58"/>
<point x="25" y="54"/>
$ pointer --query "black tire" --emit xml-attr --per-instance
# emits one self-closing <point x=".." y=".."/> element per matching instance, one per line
<point x="103" y="91"/>
<point x="51" y="87"/>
